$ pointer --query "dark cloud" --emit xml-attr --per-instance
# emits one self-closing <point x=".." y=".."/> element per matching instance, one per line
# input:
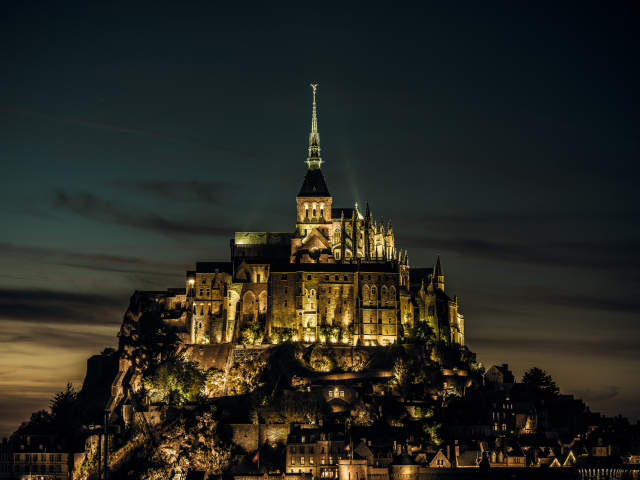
<point x="51" y="307"/>
<point x="64" y="338"/>
<point x="113" y="212"/>
<point x="589" y="395"/>
<point x="181" y="191"/>
<point x="132" y="130"/>
<point x="622" y="256"/>
<point x="94" y="261"/>
<point x="547" y="295"/>
<point x="568" y="347"/>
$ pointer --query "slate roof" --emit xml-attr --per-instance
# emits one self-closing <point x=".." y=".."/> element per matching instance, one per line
<point x="314" y="185"/>
<point x="336" y="213"/>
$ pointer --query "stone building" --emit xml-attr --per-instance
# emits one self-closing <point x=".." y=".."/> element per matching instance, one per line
<point x="338" y="269"/>
<point x="34" y="456"/>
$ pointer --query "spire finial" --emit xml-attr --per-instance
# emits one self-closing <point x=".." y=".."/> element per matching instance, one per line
<point x="314" y="161"/>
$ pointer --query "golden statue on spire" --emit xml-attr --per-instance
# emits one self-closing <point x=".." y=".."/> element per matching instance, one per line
<point x="314" y="87"/>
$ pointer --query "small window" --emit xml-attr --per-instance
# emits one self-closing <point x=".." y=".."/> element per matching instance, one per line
<point x="302" y="440"/>
<point x="285" y="303"/>
<point x="308" y="277"/>
<point x="322" y="212"/>
<point x="331" y="393"/>
<point x="342" y="393"/>
<point x="258" y="278"/>
<point x="284" y="276"/>
<point x="285" y="290"/>
<point x="346" y="278"/>
<point x="369" y="277"/>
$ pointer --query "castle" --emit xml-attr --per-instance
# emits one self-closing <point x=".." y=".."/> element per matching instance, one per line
<point x="338" y="268"/>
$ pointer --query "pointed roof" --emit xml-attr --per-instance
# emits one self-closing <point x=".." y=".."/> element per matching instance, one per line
<point x="438" y="272"/>
<point x="314" y="185"/>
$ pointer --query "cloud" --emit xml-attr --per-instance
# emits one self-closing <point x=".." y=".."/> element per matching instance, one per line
<point x="622" y="256"/>
<point x="51" y="307"/>
<point x="626" y="348"/>
<point x="108" y="211"/>
<point x="589" y="395"/>
<point x="181" y="191"/>
<point x="94" y="261"/>
<point x="131" y="130"/>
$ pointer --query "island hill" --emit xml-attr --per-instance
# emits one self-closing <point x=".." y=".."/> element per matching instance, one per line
<point x="312" y="353"/>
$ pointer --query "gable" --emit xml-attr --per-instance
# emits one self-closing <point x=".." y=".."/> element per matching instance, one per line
<point x="316" y="240"/>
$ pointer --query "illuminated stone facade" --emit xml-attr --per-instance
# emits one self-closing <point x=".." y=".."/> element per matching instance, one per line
<point x="337" y="268"/>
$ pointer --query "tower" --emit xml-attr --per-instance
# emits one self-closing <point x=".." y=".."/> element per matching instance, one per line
<point x="314" y="199"/>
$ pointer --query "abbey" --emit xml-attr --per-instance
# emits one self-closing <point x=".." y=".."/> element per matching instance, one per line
<point x="337" y="268"/>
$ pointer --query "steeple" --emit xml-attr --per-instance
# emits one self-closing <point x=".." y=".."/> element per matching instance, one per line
<point x="314" y="161"/>
<point x="314" y="185"/>
<point x="438" y="275"/>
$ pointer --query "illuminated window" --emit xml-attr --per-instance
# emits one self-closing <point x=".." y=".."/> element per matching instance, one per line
<point x="293" y="461"/>
<point x="331" y="393"/>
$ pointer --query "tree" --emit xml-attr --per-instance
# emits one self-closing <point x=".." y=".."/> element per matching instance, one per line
<point x="364" y="414"/>
<point x="176" y="380"/>
<point x="62" y="402"/>
<point x="543" y="385"/>
<point x="422" y="333"/>
<point x="107" y="352"/>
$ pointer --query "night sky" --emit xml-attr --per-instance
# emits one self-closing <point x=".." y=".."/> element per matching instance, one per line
<point x="136" y="137"/>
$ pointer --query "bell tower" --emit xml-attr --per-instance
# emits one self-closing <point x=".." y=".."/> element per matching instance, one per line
<point x="314" y="199"/>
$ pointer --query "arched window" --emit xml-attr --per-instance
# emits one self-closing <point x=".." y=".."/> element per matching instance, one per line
<point x="313" y="293"/>
<point x="322" y="211"/>
<point x="306" y="211"/>
<point x="314" y="210"/>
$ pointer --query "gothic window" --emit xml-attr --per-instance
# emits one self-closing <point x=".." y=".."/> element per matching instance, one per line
<point x="322" y="211"/>
<point x="314" y="211"/>
<point x="306" y="211"/>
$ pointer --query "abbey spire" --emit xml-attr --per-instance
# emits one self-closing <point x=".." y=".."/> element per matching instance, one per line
<point x="314" y="161"/>
<point x="314" y="185"/>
